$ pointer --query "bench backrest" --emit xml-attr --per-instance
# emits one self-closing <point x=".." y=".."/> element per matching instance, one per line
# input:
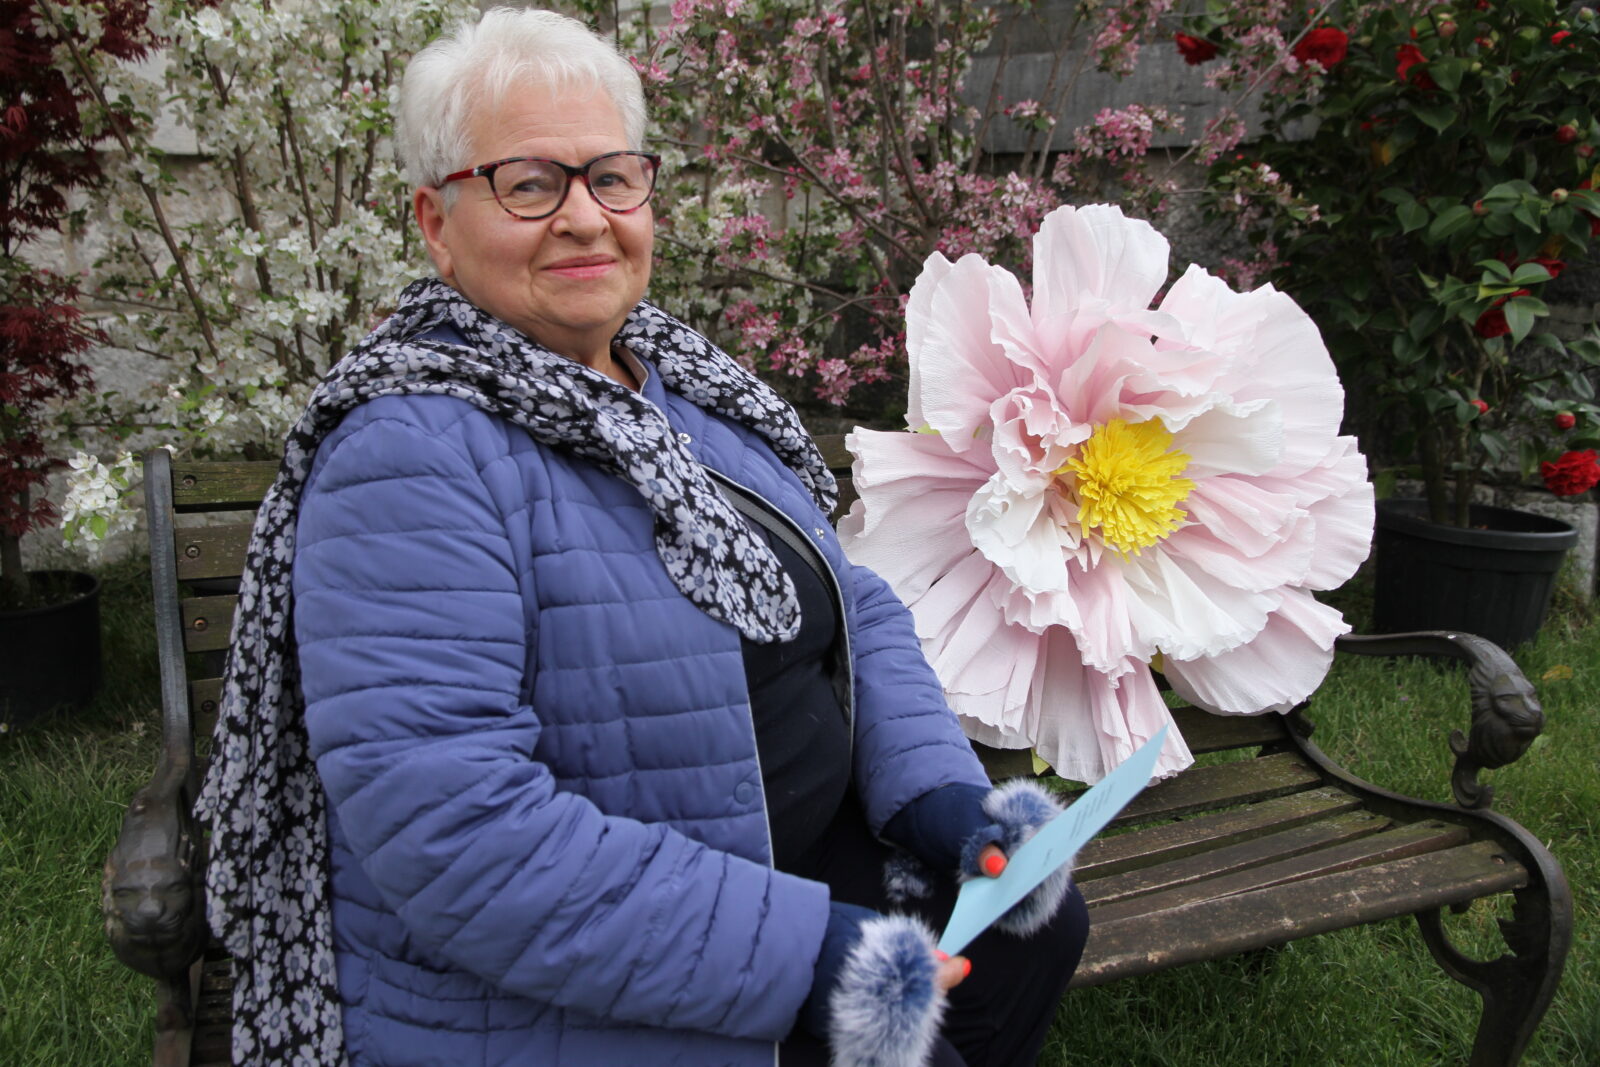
<point x="206" y="561"/>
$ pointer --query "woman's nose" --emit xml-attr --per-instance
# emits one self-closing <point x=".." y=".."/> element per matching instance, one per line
<point x="581" y="216"/>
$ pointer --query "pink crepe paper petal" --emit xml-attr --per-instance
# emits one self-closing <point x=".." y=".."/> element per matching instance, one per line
<point x="1041" y="630"/>
<point x="1279" y="669"/>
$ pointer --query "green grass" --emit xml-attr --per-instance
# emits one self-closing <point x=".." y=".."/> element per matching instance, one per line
<point x="63" y="786"/>
<point x="1370" y="996"/>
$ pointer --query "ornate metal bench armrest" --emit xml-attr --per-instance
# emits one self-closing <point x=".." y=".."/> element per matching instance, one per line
<point x="152" y="893"/>
<point x="1506" y="714"/>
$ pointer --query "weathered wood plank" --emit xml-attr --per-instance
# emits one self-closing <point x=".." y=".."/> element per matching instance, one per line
<point x="1413" y="840"/>
<point x="1220" y="786"/>
<point x="221" y="486"/>
<point x="211" y="551"/>
<point x="834" y="453"/>
<point x="1212" y="929"/>
<point x="205" y="697"/>
<point x="213" y="1023"/>
<point x="1205" y="732"/>
<point x="207" y="622"/>
<point x="1164" y="842"/>
<point x="1239" y="856"/>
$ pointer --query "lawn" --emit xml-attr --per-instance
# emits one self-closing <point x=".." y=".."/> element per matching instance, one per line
<point x="1371" y="996"/>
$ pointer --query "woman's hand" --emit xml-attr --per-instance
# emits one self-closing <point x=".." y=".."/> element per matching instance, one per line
<point x="952" y="969"/>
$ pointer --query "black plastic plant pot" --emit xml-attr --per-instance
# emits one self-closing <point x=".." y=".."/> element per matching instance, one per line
<point x="1492" y="577"/>
<point x="50" y="656"/>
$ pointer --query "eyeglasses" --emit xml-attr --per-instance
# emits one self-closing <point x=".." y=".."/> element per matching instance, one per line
<point x="532" y="188"/>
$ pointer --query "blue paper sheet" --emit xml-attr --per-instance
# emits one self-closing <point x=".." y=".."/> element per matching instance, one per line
<point x="983" y="900"/>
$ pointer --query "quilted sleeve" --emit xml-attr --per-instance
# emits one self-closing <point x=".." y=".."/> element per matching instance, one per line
<point x="908" y="742"/>
<point x="413" y="633"/>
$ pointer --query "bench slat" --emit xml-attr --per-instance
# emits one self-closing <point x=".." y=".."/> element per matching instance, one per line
<point x="1428" y="836"/>
<point x="207" y="622"/>
<point x="1212" y="929"/>
<point x="221" y="486"/>
<point x="1164" y="842"/>
<point x="1219" y="786"/>
<point x="211" y="551"/>
<point x="1205" y="732"/>
<point x="1240" y="856"/>
<point x="213" y="1022"/>
<point x="834" y="453"/>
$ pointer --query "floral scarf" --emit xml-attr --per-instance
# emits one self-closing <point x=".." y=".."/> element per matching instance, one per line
<point x="267" y="876"/>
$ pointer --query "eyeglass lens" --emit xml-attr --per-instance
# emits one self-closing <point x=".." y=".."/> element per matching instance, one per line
<point x="534" y="187"/>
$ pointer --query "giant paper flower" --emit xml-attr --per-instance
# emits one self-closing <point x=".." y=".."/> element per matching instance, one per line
<point x="1098" y="483"/>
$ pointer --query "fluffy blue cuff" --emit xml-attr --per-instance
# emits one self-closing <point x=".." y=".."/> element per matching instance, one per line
<point x="1019" y="808"/>
<point x="886" y="1007"/>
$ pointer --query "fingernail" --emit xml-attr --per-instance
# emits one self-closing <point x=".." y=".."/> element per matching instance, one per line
<point x="994" y="864"/>
<point x="940" y="956"/>
<point x="966" y="966"/>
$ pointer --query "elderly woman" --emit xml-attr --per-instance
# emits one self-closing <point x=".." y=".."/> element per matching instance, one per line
<point x="558" y="728"/>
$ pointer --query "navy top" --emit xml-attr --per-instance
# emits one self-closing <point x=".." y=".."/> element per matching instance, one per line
<point x="802" y="736"/>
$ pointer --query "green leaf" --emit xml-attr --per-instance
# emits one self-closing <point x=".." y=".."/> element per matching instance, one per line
<point x="1523" y="213"/>
<point x="1413" y="216"/>
<point x="1519" y="317"/>
<point x="1530" y="274"/>
<point x="1497" y="146"/>
<point x="1449" y="221"/>
<point x="1396" y="195"/>
<point x="1447" y="73"/>
<point x="1438" y="116"/>
<point x="1425" y="323"/>
<point x="1498" y="267"/>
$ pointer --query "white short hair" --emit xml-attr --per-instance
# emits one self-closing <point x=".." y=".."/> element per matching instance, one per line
<point x="477" y="63"/>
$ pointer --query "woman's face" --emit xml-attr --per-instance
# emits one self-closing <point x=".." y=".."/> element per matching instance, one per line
<point x="567" y="280"/>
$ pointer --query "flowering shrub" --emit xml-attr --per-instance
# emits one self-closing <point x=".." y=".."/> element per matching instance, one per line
<point x="246" y="275"/>
<point x="1096" y="483"/>
<point x="45" y="152"/>
<point x="820" y="150"/>
<point x="1446" y="180"/>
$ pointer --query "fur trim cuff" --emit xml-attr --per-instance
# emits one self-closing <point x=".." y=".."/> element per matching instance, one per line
<point x="885" y="1009"/>
<point x="1020" y="807"/>
<point x="905" y="878"/>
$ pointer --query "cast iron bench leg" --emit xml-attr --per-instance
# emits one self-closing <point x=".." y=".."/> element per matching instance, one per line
<point x="1516" y="987"/>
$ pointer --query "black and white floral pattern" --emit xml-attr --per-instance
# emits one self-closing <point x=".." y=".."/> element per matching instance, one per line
<point x="266" y="879"/>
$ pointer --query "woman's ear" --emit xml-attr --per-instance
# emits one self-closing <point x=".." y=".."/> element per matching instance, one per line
<point x="433" y="218"/>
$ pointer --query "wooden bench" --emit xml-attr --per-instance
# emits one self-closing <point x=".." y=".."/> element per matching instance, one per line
<point x="1224" y="858"/>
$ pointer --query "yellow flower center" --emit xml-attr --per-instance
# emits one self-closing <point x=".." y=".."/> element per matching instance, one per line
<point x="1127" y="484"/>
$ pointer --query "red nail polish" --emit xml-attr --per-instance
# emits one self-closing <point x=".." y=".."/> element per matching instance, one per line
<point x="940" y="956"/>
<point x="966" y="967"/>
<point x="994" y="864"/>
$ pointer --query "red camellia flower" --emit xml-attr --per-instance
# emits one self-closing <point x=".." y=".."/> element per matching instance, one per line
<point x="1491" y="323"/>
<point x="1325" y="46"/>
<point x="1559" y="36"/>
<point x="1566" y="134"/>
<point x="1573" y="473"/>
<point x="1565" y="420"/>
<point x="1408" y="56"/>
<point x="1194" y="50"/>
<point x="1481" y="405"/>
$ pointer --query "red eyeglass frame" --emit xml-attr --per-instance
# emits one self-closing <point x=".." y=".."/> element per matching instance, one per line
<point x="581" y="172"/>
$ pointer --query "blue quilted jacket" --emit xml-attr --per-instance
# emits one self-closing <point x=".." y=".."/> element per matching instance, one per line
<point x="548" y="829"/>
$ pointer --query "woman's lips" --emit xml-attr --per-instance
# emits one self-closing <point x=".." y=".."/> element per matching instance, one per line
<point x="582" y="267"/>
